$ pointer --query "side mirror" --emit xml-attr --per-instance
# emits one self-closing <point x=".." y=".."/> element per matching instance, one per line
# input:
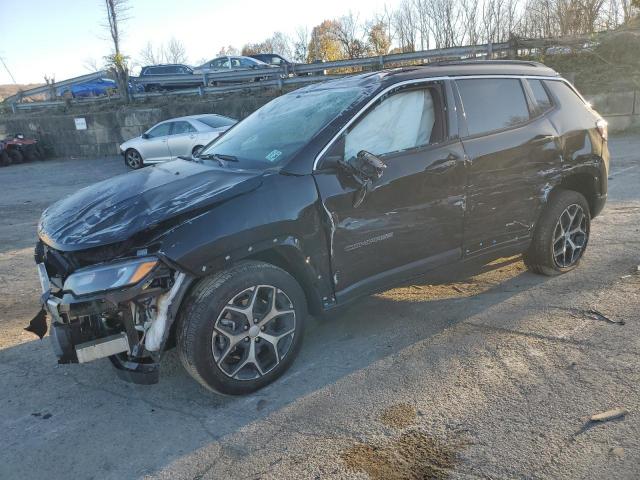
<point x="145" y="136"/>
<point x="365" y="168"/>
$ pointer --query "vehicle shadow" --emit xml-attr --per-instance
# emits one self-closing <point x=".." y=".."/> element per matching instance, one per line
<point x="127" y="430"/>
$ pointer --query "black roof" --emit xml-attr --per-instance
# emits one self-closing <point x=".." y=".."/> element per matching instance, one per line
<point x="472" y="67"/>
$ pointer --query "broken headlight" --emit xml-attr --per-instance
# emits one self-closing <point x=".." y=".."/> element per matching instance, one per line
<point x="108" y="277"/>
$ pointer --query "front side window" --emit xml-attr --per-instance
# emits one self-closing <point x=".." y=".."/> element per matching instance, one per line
<point x="220" y="63"/>
<point x="403" y="121"/>
<point x="246" y="63"/>
<point x="543" y="102"/>
<point x="160" y="130"/>
<point x="181" y="128"/>
<point x="492" y="103"/>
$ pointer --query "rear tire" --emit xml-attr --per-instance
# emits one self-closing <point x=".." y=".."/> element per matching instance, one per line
<point x="236" y="353"/>
<point x="561" y="235"/>
<point x="196" y="150"/>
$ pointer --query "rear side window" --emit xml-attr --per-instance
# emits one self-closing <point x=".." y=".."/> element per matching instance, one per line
<point x="182" y="127"/>
<point x="567" y="98"/>
<point x="543" y="102"/>
<point x="493" y="103"/>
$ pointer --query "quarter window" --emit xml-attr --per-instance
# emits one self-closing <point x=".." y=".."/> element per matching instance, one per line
<point x="493" y="103"/>
<point x="403" y="121"/>
<point x="540" y="94"/>
<point x="566" y="96"/>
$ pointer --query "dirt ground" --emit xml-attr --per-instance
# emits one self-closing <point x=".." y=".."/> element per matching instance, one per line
<point x="494" y="376"/>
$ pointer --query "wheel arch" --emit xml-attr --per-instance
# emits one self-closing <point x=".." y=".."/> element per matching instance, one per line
<point x="586" y="183"/>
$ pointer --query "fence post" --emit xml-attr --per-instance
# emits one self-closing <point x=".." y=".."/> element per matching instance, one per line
<point x="489" y="50"/>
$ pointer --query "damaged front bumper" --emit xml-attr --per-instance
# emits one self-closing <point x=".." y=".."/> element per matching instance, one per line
<point x="129" y="325"/>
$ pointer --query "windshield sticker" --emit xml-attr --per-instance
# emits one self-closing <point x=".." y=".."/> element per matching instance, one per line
<point x="273" y="155"/>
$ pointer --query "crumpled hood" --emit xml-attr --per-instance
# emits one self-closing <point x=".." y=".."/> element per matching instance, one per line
<point x="115" y="209"/>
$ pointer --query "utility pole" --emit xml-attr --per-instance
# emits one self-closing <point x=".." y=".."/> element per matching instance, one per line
<point x="8" y="71"/>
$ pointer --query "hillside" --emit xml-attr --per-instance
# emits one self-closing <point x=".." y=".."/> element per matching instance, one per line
<point x="11" y="89"/>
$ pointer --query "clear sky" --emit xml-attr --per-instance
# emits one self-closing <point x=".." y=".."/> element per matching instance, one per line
<point x="41" y="37"/>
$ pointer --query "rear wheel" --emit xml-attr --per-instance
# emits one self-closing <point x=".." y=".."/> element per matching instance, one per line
<point x="196" y="150"/>
<point x="561" y="236"/>
<point x="240" y="329"/>
<point x="133" y="159"/>
<point x="5" y="159"/>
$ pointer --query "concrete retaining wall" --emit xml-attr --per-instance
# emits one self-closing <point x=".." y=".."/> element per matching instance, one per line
<point x="107" y="129"/>
<point x="620" y="109"/>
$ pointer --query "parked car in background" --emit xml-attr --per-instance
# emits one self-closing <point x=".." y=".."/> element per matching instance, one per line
<point x="96" y="88"/>
<point x="173" y="138"/>
<point x="149" y="73"/>
<point x="233" y="63"/>
<point x="325" y="194"/>
<point x="272" y="59"/>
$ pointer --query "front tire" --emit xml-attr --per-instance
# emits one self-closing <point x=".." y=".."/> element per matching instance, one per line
<point x="133" y="159"/>
<point x="561" y="235"/>
<point x="241" y="328"/>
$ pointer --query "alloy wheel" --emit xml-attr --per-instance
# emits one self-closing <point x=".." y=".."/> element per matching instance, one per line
<point x="134" y="160"/>
<point x="254" y="332"/>
<point x="570" y="236"/>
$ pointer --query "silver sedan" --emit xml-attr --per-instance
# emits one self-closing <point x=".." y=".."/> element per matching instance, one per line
<point x="173" y="138"/>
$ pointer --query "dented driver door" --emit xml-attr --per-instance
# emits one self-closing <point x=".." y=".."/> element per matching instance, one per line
<point x="411" y="219"/>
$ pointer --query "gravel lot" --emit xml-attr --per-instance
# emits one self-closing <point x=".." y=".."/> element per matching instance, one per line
<point x="490" y="377"/>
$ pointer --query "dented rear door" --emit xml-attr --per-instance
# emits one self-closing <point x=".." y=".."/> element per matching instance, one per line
<point x="513" y="159"/>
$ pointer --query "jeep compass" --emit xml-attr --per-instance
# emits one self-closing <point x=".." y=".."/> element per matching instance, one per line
<point x="327" y="193"/>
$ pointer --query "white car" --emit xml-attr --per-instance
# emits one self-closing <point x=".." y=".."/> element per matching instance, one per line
<point x="173" y="138"/>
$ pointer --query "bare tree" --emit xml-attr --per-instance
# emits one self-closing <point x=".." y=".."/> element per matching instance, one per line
<point x="151" y="56"/>
<point x="348" y="33"/>
<point x="91" y="64"/>
<point x="301" y="45"/>
<point x="175" y="52"/>
<point x="404" y="24"/>
<point x="469" y="10"/>
<point x="116" y="15"/>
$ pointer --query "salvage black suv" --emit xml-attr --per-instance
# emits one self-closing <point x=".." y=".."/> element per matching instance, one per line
<point x="325" y="194"/>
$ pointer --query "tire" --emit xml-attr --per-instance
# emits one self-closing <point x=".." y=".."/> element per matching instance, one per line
<point x="40" y="152"/>
<point x="197" y="149"/>
<point x="561" y="235"/>
<point x="133" y="159"/>
<point x="15" y="155"/>
<point x="5" y="159"/>
<point x="215" y="344"/>
<point x="30" y="153"/>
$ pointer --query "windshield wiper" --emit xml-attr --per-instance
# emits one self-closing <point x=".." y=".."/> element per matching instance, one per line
<point x="218" y="157"/>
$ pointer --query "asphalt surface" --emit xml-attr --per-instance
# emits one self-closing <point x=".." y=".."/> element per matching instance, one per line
<point x="493" y="376"/>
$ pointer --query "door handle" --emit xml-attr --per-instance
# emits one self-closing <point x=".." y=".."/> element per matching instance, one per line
<point x="443" y="164"/>
<point x="543" y="138"/>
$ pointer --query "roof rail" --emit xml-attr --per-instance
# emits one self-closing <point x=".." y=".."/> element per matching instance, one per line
<point x="487" y="62"/>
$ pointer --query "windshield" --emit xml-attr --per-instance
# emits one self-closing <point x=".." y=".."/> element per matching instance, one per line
<point x="273" y="134"/>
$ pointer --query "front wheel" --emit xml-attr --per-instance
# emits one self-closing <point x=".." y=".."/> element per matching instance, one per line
<point x="241" y="328"/>
<point x="133" y="159"/>
<point x="561" y="236"/>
